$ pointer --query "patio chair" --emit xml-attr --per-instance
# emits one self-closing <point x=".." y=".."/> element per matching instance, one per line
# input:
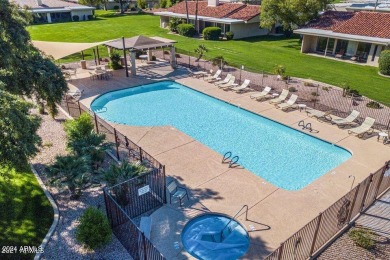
<point x="226" y="80"/>
<point x="198" y="74"/>
<point x="228" y="85"/>
<point x="348" y="120"/>
<point x="146" y="226"/>
<point x="340" y="55"/>
<point x="262" y="94"/>
<point x="281" y="97"/>
<point x="365" y="127"/>
<point x="177" y="192"/>
<point x="92" y="75"/>
<point x="289" y="104"/>
<point x="243" y="86"/>
<point x="319" y="114"/>
<point x="214" y="77"/>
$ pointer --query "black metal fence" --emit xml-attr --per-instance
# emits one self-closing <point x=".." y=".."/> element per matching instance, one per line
<point x="124" y="149"/>
<point x="316" y="95"/>
<point x="131" y="199"/>
<point x="311" y="238"/>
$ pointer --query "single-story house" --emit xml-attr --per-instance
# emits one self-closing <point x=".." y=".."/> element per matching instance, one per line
<point x="241" y="19"/>
<point x="51" y="11"/>
<point x="356" y="36"/>
<point x="362" y="6"/>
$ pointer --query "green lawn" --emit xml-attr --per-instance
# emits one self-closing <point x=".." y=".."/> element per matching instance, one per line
<point x="257" y="54"/>
<point x="25" y="212"/>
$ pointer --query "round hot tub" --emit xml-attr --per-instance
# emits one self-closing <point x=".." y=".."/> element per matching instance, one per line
<point x="215" y="236"/>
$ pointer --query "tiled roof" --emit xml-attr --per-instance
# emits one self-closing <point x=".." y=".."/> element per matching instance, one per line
<point x="223" y="10"/>
<point x="46" y="4"/>
<point x="371" y="24"/>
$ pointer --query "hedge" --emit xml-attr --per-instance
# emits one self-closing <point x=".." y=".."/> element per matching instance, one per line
<point x="384" y="62"/>
<point x="212" y="33"/>
<point x="229" y="36"/>
<point x="186" y="29"/>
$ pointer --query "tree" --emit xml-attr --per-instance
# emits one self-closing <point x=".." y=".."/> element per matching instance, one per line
<point x="188" y="18"/>
<point x="196" y="17"/>
<point x="23" y="69"/>
<point x="18" y="137"/>
<point x="289" y="13"/>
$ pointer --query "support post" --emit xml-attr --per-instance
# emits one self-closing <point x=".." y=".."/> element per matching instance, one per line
<point x="133" y="65"/>
<point x="365" y="193"/>
<point x="380" y="179"/>
<point x="313" y="243"/>
<point x="173" y="57"/>
<point x="326" y="48"/>
<point x="124" y="55"/>
<point x="67" y="104"/>
<point x="150" y="54"/>
<point x="165" y="185"/>
<point x="144" y="245"/>
<point x="116" y="144"/>
<point x="94" y="56"/>
<point x="82" y="55"/>
<point x="98" y="56"/>
<point x="96" y="123"/>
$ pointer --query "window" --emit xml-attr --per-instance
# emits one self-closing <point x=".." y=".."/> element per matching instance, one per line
<point x="322" y="45"/>
<point x="227" y="28"/>
<point x="341" y="47"/>
<point x="363" y="50"/>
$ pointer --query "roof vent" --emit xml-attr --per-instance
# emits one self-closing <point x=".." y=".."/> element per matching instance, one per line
<point x="213" y="3"/>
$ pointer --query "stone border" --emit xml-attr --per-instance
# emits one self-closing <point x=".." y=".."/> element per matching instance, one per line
<point x="383" y="75"/>
<point x="56" y="214"/>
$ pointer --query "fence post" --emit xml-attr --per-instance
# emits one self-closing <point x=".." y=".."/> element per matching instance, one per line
<point x="116" y="144"/>
<point x="67" y="105"/>
<point x="380" y="179"/>
<point x="313" y="243"/>
<point x="140" y="154"/>
<point x="189" y="60"/>
<point x="280" y="251"/>
<point x="144" y="245"/>
<point x="365" y="193"/>
<point x="96" y="124"/>
<point x="165" y="185"/>
<point x="78" y="103"/>
<point x="353" y="203"/>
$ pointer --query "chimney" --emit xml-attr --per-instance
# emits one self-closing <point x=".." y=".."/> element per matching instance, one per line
<point x="213" y="3"/>
<point x="39" y="2"/>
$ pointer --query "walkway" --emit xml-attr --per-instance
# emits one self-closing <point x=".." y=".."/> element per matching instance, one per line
<point x="377" y="217"/>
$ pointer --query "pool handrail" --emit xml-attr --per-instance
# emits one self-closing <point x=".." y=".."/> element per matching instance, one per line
<point x="246" y="218"/>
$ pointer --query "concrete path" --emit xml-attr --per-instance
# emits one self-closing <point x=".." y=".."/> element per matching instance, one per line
<point x="377" y="217"/>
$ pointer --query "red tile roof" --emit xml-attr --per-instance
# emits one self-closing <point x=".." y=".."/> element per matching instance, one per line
<point x="46" y="4"/>
<point x="223" y="10"/>
<point x="371" y="24"/>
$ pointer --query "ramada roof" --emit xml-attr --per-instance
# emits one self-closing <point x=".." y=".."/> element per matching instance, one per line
<point x="370" y="24"/>
<point x="223" y="10"/>
<point x="47" y="4"/>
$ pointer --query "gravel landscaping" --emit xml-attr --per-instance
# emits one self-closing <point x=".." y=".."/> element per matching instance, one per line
<point x="345" y="249"/>
<point x="63" y="244"/>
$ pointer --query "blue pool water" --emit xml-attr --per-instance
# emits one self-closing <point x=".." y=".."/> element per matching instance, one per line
<point x="279" y="154"/>
<point x="201" y="238"/>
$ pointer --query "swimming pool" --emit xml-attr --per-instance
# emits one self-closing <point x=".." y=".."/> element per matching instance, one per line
<point x="283" y="156"/>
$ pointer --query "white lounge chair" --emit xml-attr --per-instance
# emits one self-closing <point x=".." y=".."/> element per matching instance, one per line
<point x="262" y="94"/>
<point x="289" y="104"/>
<point x="226" y="80"/>
<point x="281" y="97"/>
<point x="243" y="86"/>
<point x="214" y="77"/>
<point x="228" y="85"/>
<point x="365" y="127"/>
<point x="348" y="120"/>
<point x="319" y="114"/>
<point x="198" y="74"/>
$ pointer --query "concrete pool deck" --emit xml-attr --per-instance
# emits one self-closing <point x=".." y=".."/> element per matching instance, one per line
<point x="275" y="213"/>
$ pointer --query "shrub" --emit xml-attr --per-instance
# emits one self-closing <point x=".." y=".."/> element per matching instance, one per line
<point x="156" y="5"/>
<point x="185" y="29"/>
<point x="116" y="7"/>
<point x="314" y="94"/>
<point x="211" y="33"/>
<point x="280" y="70"/>
<point x="76" y="18"/>
<point x="362" y="238"/>
<point x="201" y="50"/>
<point x="353" y="92"/>
<point x="229" y="36"/>
<point x="163" y="4"/>
<point x="384" y="62"/>
<point x="374" y="105"/>
<point x="173" y="23"/>
<point x="142" y="4"/>
<point x="94" y="230"/>
<point x="219" y="61"/>
<point x="115" y="61"/>
<point x="90" y="17"/>
<point x="292" y="89"/>
<point x="133" y="9"/>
